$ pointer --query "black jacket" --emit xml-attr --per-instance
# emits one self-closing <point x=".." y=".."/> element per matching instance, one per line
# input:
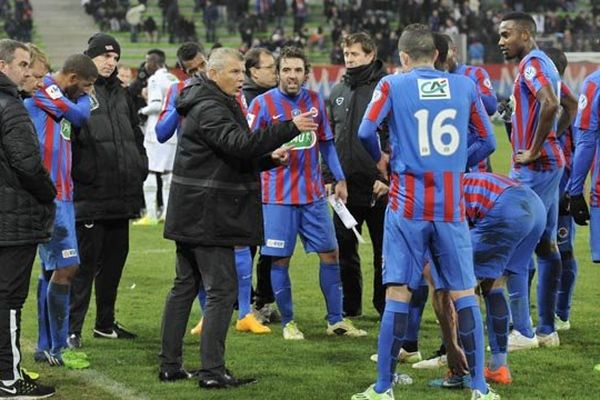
<point x="215" y="195"/>
<point x="109" y="159"/>
<point x="251" y="90"/>
<point x="348" y="102"/>
<point x="26" y="190"/>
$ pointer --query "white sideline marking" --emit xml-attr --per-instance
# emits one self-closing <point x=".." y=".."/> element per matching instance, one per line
<point x="97" y="379"/>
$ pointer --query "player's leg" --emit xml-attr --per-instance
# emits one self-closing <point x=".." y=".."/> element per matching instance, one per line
<point x="167" y="177"/>
<point x="281" y="224"/>
<point x="452" y="255"/>
<point x="375" y="221"/>
<point x="150" y="188"/>
<point x="44" y="340"/>
<point x="595" y="233"/>
<point x="565" y="240"/>
<point x="404" y="251"/>
<point x="497" y="317"/>
<point x="246" y="321"/>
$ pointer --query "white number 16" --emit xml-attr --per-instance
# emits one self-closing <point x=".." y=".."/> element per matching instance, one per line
<point x="438" y="129"/>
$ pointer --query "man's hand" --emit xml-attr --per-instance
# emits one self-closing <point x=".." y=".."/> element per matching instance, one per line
<point x="526" y="157"/>
<point x="281" y="156"/>
<point x="382" y="164"/>
<point x="341" y="191"/>
<point x="380" y="189"/>
<point x="305" y="122"/>
<point x="579" y="210"/>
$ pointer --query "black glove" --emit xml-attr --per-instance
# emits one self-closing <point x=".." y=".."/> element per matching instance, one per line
<point x="564" y="204"/>
<point x="579" y="210"/>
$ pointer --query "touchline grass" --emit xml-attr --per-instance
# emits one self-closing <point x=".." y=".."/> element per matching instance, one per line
<point x="321" y="367"/>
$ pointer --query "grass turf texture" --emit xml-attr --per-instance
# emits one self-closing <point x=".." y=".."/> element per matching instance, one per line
<point x="321" y="367"/>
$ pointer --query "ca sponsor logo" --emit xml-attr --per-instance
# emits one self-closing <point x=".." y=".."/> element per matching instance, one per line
<point x="433" y="89"/>
<point x="276" y="244"/>
<point x="583" y="101"/>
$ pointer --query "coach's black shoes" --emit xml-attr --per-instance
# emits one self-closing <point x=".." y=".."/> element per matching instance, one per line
<point x="116" y="332"/>
<point x="25" y="388"/>
<point x="225" y="381"/>
<point x="181" y="374"/>
<point x="74" y="341"/>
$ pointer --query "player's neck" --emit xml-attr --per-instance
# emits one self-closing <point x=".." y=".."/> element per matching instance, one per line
<point x="422" y="66"/>
<point x="60" y="79"/>
<point x="528" y="48"/>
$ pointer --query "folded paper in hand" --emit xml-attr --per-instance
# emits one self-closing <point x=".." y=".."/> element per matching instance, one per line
<point x="345" y="216"/>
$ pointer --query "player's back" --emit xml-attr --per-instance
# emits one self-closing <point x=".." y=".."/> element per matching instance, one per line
<point x="482" y="189"/>
<point x="429" y="121"/>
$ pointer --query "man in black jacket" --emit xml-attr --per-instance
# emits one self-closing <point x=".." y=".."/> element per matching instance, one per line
<point x="26" y="214"/>
<point x="109" y="167"/>
<point x="214" y="205"/>
<point x="261" y="77"/>
<point x="366" y="188"/>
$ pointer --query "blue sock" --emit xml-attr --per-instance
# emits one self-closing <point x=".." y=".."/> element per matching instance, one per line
<point x="243" y="266"/>
<point x="391" y="333"/>
<point x="331" y="287"/>
<point x="415" y="312"/>
<point x="530" y="280"/>
<point x="202" y="299"/>
<point x="517" y="285"/>
<point x="549" y="270"/>
<point x="567" y="286"/>
<point x="44" y="340"/>
<point x="470" y="330"/>
<point x="58" y="315"/>
<point x="282" y="290"/>
<point x="497" y="323"/>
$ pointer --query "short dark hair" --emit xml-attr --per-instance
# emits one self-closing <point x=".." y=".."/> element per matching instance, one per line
<point x="80" y="65"/>
<point x="8" y="48"/>
<point x="188" y="51"/>
<point x="417" y="41"/>
<point x="559" y="59"/>
<point x="366" y="42"/>
<point x="524" y="21"/>
<point x="161" y="56"/>
<point x="252" y="58"/>
<point x="442" y="46"/>
<point x="292" y="52"/>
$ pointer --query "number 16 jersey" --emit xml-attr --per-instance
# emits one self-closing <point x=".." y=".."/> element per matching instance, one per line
<point x="431" y="115"/>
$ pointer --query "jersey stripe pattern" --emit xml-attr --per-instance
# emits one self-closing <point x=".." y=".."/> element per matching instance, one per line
<point x="587" y="123"/>
<point x="53" y="114"/>
<point x="429" y="117"/>
<point x="301" y="181"/>
<point x="536" y="71"/>
<point x="169" y="120"/>
<point x="481" y="192"/>
<point x="567" y="144"/>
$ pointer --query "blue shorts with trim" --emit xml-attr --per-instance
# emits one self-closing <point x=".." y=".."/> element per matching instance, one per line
<point x="505" y="238"/>
<point x="61" y="251"/>
<point x="405" y="249"/>
<point x="545" y="185"/>
<point x="595" y="233"/>
<point x="283" y="223"/>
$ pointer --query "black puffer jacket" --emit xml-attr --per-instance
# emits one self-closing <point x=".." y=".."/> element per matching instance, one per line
<point x="251" y="90"/>
<point x="348" y="102"/>
<point x="215" y="193"/>
<point x="26" y="191"/>
<point x="109" y="159"/>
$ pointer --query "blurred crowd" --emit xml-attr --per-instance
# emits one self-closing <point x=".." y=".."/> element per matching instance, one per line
<point x="18" y="19"/>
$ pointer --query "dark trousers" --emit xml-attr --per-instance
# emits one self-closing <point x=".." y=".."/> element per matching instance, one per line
<point x="350" y="260"/>
<point x="103" y="248"/>
<point x="196" y="266"/>
<point x="16" y="263"/>
<point x="264" y="292"/>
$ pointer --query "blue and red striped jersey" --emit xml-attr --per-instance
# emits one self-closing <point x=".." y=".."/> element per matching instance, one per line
<point x="567" y="144"/>
<point x="482" y="189"/>
<point x="169" y="120"/>
<point x="484" y="85"/>
<point x="431" y="114"/>
<point x="587" y="133"/>
<point x="301" y="181"/>
<point x="536" y="71"/>
<point x="53" y="114"/>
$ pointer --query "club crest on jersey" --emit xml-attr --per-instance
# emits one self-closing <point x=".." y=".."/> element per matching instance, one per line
<point x="530" y="72"/>
<point x="54" y="92"/>
<point x="433" y="89"/>
<point x="339" y="101"/>
<point x="304" y="140"/>
<point x="296" y="112"/>
<point x="487" y="83"/>
<point x="314" y="112"/>
<point x="583" y="101"/>
<point x="65" y="129"/>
